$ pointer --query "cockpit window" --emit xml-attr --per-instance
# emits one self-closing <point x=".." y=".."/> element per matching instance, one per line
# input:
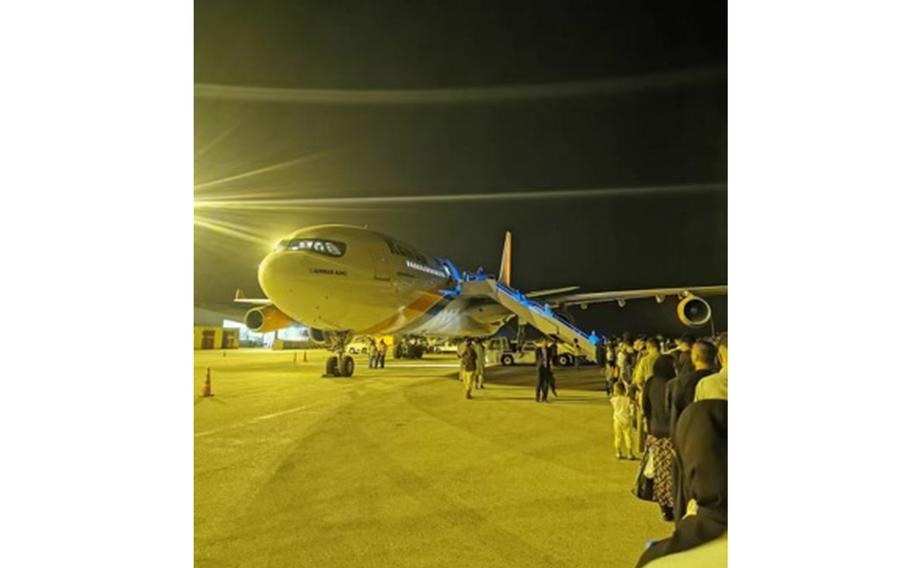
<point x="327" y="248"/>
<point x="401" y="249"/>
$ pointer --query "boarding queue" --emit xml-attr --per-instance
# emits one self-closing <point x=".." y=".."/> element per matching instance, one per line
<point x="669" y="403"/>
<point x="670" y="413"/>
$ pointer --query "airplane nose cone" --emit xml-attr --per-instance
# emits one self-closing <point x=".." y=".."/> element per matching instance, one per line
<point x="279" y="275"/>
<point x="299" y="287"/>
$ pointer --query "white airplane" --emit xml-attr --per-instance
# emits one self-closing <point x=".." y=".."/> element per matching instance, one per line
<point x="344" y="281"/>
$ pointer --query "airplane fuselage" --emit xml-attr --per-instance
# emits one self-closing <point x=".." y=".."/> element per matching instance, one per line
<point x="350" y="279"/>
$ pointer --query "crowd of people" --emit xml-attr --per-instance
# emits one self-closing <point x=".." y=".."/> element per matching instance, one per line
<point x="669" y="401"/>
<point x="670" y="411"/>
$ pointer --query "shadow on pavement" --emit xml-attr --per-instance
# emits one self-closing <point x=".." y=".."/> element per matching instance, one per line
<point x="586" y="378"/>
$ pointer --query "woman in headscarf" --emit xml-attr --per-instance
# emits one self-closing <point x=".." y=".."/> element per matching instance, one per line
<point x="657" y="421"/>
<point x="700" y="442"/>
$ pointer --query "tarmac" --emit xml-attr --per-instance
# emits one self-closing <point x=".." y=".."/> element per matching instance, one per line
<point x="394" y="467"/>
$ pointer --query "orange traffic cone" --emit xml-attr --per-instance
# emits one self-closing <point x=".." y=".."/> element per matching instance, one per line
<point x="295" y="357"/>
<point x="207" y="389"/>
<point x="304" y="356"/>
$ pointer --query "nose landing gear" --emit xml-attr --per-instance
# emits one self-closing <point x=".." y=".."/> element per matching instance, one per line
<point x="339" y="364"/>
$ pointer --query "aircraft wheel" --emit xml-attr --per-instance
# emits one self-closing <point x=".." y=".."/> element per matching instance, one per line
<point x="508" y="360"/>
<point x="564" y="360"/>
<point x="331" y="366"/>
<point x="347" y="366"/>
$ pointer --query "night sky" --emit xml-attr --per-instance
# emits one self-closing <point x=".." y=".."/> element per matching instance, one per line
<point x="623" y="106"/>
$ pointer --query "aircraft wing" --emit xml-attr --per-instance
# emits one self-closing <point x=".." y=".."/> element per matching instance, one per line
<point x="586" y="298"/>
<point x="240" y="298"/>
<point x="551" y="292"/>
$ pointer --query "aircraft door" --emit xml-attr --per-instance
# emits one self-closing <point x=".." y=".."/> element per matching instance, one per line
<point x="381" y="265"/>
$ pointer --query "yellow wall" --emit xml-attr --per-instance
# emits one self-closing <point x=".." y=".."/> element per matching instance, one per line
<point x="198" y="335"/>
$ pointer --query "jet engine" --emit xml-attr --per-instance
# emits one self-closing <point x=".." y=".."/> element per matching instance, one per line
<point x="267" y="318"/>
<point x="693" y="311"/>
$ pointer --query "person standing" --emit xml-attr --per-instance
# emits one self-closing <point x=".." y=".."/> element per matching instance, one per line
<point x="371" y="352"/>
<point x="543" y="362"/>
<point x="481" y="353"/>
<point x="622" y="422"/>
<point x="715" y="386"/>
<point x="601" y="352"/>
<point x="468" y="366"/>
<point x="609" y="366"/>
<point x="657" y="424"/>
<point x="643" y="370"/>
<point x="682" y="391"/>
<point x="382" y="349"/>
<point x="577" y="353"/>
<point x="700" y="445"/>
<point x="625" y="360"/>
<point x="645" y="365"/>
<point x="683" y="355"/>
<point x="553" y="354"/>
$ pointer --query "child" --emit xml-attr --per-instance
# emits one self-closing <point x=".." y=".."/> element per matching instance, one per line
<point x="622" y="420"/>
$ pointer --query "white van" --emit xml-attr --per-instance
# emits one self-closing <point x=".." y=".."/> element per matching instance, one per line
<point x="503" y="351"/>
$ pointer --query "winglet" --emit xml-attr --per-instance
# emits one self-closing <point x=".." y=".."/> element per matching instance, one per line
<point x="505" y="267"/>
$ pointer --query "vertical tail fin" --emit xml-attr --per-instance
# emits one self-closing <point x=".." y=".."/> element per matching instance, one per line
<point x="505" y="267"/>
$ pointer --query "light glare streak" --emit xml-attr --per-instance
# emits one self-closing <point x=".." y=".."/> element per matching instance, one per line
<point x="258" y="171"/>
<point x="233" y="230"/>
<point x="463" y="197"/>
<point x="502" y="93"/>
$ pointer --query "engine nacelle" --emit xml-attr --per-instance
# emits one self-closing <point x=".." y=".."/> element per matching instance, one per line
<point x="693" y="311"/>
<point x="266" y="318"/>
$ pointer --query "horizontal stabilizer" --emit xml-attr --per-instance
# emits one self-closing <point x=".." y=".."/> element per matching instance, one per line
<point x="240" y="298"/>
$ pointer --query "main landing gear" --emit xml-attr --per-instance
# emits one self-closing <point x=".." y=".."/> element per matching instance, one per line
<point x="339" y="364"/>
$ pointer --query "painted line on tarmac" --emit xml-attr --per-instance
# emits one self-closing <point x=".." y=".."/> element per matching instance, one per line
<point x="440" y="366"/>
<point x="251" y="421"/>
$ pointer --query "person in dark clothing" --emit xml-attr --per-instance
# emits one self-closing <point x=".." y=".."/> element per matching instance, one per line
<point x="653" y="399"/>
<point x="700" y="443"/>
<point x="468" y="355"/>
<point x="544" y="371"/>
<point x="382" y="349"/>
<point x="683" y="355"/>
<point x="600" y="353"/>
<point x="657" y="422"/>
<point x="610" y="372"/>
<point x="552" y="353"/>
<point x="681" y="391"/>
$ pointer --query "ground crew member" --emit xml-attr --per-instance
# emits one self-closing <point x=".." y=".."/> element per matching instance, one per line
<point x="481" y="353"/>
<point x="382" y="349"/>
<point x="468" y="366"/>
<point x="553" y="358"/>
<point x="371" y="352"/>
<point x="544" y="372"/>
